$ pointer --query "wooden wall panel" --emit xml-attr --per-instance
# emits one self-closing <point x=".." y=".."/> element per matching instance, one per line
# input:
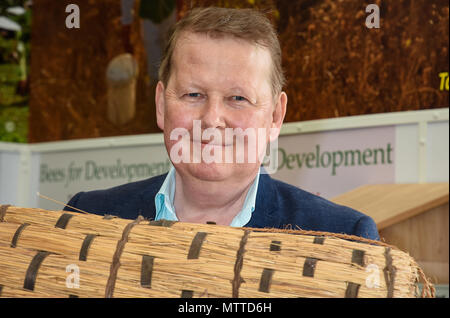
<point x="68" y="94"/>
<point x="425" y="237"/>
<point x="335" y="65"/>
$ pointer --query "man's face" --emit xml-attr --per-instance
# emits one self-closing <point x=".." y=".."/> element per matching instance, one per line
<point x="220" y="85"/>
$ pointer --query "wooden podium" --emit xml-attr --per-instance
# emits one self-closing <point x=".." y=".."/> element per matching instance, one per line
<point x="413" y="217"/>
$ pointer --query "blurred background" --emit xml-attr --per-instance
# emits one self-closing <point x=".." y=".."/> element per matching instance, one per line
<point x="59" y="83"/>
<point x="15" y="24"/>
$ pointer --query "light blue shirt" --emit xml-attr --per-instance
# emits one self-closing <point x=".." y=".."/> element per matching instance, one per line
<point x="166" y="210"/>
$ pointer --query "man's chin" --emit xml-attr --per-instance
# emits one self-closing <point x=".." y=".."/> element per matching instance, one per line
<point x="211" y="171"/>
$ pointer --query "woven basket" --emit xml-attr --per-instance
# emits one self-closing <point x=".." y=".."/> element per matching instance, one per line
<point x="65" y="254"/>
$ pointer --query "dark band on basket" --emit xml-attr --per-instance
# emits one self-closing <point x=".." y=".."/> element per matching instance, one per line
<point x="196" y="245"/>
<point x="187" y="293"/>
<point x="164" y="223"/>
<point x="115" y="264"/>
<point x="275" y="246"/>
<point x="237" y="279"/>
<point x="3" y="209"/>
<point x="63" y="220"/>
<point x="389" y="273"/>
<point x="319" y="240"/>
<point x="309" y="267"/>
<point x="1" y="289"/>
<point x="33" y="268"/>
<point x="146" y="271"/>
<point x="266" y="280"/>
<point x="358" y="257"/>
<point x="85" y="246"/>
<point x="17" y="234"/>
<point x="352" y="290"/>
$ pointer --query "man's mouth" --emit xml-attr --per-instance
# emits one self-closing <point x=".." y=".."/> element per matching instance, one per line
<point x="211" y="143"/>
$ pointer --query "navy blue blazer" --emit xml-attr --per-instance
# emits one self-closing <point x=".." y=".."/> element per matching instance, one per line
<point x="278" y="205"/>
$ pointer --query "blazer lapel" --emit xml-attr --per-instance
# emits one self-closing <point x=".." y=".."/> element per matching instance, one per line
<point x="266" y="207"/>
<point x="147" y="197"/>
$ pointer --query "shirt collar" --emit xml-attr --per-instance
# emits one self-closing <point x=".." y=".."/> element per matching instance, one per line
<point x="166" y="210"/>
<point x="164" y="198"/>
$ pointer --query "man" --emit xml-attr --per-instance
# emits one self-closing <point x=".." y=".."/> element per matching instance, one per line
<point x="222" y="71"/>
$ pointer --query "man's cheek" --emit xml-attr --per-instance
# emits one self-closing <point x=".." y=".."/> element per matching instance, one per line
<point x="178" y="121"/>
<point x="180" y="116"/>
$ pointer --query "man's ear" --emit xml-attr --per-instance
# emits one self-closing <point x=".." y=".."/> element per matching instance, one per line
<point x="160" y="104"/>
<point x="278" y="116"/>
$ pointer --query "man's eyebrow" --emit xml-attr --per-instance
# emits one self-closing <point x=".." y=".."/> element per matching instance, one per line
<point x="190" y="85"/>
<point x="239" y="89"/>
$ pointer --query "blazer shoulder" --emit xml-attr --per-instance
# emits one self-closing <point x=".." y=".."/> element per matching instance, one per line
<point x="313" y="212"/>
<point x="153" y="183"/>
<point x="126" y="200"/>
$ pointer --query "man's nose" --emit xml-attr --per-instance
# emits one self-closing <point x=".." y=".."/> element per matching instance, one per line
<point x="213" y="115"/>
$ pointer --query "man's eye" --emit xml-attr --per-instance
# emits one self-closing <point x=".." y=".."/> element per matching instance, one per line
<point x="193" y="95"/>
<point x="239" y="98"/>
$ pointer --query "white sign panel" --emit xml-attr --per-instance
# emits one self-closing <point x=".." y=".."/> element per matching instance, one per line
<point x="62" y="175"/>
<point x="331" y="163"/>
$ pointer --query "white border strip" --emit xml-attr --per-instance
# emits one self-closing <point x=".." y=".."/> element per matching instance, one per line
<point x="362" y="121"/>
<point x="99" y="143"/>
<point x="351" y="122"/>
<point x="12" y="147"/>
<point x="24" y="180"/>
<point x="423" y="135"/>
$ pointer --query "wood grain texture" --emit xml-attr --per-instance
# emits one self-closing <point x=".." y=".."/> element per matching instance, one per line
<point x="425" y="237"/>
<point x="388" y="204"/>
<point x="413" y="217"/>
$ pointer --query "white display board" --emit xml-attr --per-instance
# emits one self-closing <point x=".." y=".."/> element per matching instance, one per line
<point x="63" y="174"/>
<point x="332" y="162"/>
<point x="327" y="157"/>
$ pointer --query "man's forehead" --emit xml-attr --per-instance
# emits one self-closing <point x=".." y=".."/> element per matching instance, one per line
<point x="226" y="62"/>
<point x="188" y="43"/>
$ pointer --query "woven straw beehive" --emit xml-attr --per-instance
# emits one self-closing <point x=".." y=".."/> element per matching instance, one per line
<point x="64" y="254"/>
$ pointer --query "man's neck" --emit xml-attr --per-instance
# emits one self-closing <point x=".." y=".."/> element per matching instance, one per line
<point x="198" y="201"/>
